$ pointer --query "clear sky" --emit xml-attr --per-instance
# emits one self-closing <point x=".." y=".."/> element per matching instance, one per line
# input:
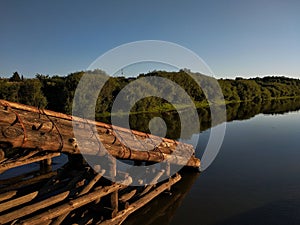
<point x="235" y="38"/>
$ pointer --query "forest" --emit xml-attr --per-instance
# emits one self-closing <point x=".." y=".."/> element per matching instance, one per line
<point x="57" y="92"/>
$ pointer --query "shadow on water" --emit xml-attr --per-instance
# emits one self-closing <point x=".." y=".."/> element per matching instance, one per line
<point x="161" y="210"/>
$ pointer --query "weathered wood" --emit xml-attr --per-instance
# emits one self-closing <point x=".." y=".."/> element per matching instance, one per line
<point x="59" y="219"/>
<point x="2" y="160"/>
<point x="16" y="163"/>
<point x="58" y="115"/>
<point x="13" y="180"/>
<point x="73" y="204"/>
<point x="17" y="201"/>
<point x="168" y="169"/>
<point x="48" y="161"/>
<point x="127" y="196"/>
<point x="7" y="195"/>
<point x="91" y="184"/>
<point x="85" y="190"/>
<point x="114" y="200"/>
<point x="32" y="208"/>
<point x="2" y="155"/>
<point x="60" y="185"/>
<point x="122" y="215"/>
<point x="53" y="131"/>
<point x="30" y="154"/>
<point x="31" y="181"/>
<point x="153" y="182"/>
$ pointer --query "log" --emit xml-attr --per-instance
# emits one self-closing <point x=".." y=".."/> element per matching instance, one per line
<point x="16" y="179"/>
<point x="7" y="195"/>
<point x="48" y="162"/>
<point x="122" y="215"/>
<point x="28" y="127"/>
<point x="32" y="208"/>
<point x="85" y="190"/>
<point x="16" y="163"/>
<point x="91" y="184"/>
<point x="114" y="200"/>
<point x="153" y="182"/>
<point x="72" y="204"/>
<point x="127" y="196"/>
<point x="59" y="219"/>
<point x="30" y="181"/>
<point x="58" y="115"/>
<point x="2" y="155"/>
<point x="60" y="185"/>
<point x="30" y="154"/>
<point x="17" y="201"/>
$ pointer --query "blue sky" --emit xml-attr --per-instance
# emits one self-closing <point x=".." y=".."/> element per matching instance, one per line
<point x="235" y="38"/>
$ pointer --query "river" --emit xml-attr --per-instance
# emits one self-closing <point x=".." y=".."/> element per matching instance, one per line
<point x="255" y="178"/>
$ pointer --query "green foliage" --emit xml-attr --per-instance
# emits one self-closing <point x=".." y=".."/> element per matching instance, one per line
<point x="57" y="92"/>
<point x="9" y="90"/>
<point x="30" y="93"/>
<point x="15" y="77"/>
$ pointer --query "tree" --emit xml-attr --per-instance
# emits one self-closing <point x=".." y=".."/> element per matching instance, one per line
<point x="30" y="93"/>
<point x="15" y="77"/>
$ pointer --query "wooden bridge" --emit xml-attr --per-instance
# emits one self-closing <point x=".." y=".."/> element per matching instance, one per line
<point x="77" y="193"/>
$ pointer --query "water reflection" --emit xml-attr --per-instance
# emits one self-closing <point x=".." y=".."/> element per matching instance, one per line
<point x="254" y="180"/>
<point x="162" y="209"/>
<point x="236" y="111"/>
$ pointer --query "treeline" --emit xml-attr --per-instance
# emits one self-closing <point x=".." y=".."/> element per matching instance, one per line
<point x="57" y="92"/>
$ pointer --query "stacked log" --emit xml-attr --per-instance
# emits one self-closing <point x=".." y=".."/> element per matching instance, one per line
<point x="28" y="127"/>
<point x="74" y="191"/>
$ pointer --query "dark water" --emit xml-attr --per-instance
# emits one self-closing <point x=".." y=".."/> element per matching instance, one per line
<point x="255" y="178"/>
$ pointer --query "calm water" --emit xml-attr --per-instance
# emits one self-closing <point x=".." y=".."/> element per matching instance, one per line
<point x="255" y="178"/>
